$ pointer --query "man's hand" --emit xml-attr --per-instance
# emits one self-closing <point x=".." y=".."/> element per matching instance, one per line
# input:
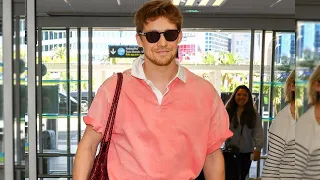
<point x="214" y="166"/>
<point x="256" y="155"/>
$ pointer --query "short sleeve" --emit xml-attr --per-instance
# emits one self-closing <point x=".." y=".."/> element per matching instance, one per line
<point x="99" y="111"/>
<point x="219" y="125"/>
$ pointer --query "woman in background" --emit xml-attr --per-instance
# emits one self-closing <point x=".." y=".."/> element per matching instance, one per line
<point x="280" y="162"/>
<point x="247" y="141"/>
<point x="307" y="151"/>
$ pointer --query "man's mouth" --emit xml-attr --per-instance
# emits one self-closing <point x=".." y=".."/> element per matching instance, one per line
<point x="163" y="52"/>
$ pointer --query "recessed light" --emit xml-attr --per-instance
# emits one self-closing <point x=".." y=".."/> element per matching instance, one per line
<point x="203" y="2"/>
<point x="218" y="2"/>
<point x="189" y="3"/>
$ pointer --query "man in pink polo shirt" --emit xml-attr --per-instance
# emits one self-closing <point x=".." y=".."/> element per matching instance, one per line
<point x="170" y="123"/>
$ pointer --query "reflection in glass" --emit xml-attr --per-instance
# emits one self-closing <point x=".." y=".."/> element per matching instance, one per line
<point x="308" y="57"/>
<point x="307" y="133"/>
<point x="284" y="64"/>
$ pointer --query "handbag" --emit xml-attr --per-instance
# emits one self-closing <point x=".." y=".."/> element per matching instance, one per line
<point x="231" y="149"/>
<point x="99" y="169"/>
<point x="231" y="160"/>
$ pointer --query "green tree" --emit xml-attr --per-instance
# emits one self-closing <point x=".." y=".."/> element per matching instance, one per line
<point x="287" y="64"/>
<point x="228" y="58"/>
<point x="209" y="58"/>
<point x="310" y="59"/>
<point x="225" y="58"/>
<point x="59" y="54"/>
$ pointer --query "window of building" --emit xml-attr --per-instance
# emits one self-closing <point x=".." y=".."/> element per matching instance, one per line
<point x="46" y="35"/>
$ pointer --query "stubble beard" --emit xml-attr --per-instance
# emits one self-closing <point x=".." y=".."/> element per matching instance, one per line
<point x="161" y="63"/>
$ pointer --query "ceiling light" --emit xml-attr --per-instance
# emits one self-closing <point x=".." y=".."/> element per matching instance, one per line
<point x="189" y="3"/>
<point x="203" y="2"/>
<point x="176" y="2"/>
<point x="119" y="3"/>
<point x="218" y="2"/>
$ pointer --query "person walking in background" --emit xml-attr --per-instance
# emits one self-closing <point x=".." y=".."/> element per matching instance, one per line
<point x="280" y="163"/>
<point x="307" y="139"/>
<point x="170" y="123"/>
<point x="246" y="143"/>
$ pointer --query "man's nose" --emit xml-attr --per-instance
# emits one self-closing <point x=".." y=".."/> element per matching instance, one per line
<point x="162" y="41"/>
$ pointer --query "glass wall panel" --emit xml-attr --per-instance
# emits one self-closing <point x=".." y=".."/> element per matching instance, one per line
<point x="20" y="97"/>
<point x="1" y="105"/>
<point x="279" y="56"/>
<point x="307" y="92"/>
<point x="308" y="57"/>
<point x="15" y="94"/>
<point x="256" y="86"/>
<point x="56" y="106"/>
<point x="221" y="57"/>
<point x="64" y="98"/>
<point x="284" y="63"/>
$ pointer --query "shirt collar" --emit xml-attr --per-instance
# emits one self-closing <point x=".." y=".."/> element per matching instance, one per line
<point x="137" y="70"/>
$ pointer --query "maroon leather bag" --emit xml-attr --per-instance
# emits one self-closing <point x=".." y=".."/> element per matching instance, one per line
<point x="99" y="170"/>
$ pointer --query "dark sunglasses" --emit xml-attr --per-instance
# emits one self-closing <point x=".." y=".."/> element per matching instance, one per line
<point x="154" y="36"/>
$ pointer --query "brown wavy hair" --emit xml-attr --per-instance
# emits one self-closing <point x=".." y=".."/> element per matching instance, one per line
<point x="314" y="96"/>
<point x="249" y="116"/>
<point x="290" y="96"/>
<point x="154" y="9"/>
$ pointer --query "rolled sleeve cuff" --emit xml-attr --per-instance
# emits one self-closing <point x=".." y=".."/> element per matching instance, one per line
<point x="96" y="126"/>
<point x="217" y="145"/>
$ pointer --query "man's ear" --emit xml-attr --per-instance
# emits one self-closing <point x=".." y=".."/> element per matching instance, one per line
<point x="180" y="37"/>
<point x="139" y="40"/>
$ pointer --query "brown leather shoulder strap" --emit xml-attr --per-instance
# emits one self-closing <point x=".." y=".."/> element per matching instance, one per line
<point x="113" y="109"/>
